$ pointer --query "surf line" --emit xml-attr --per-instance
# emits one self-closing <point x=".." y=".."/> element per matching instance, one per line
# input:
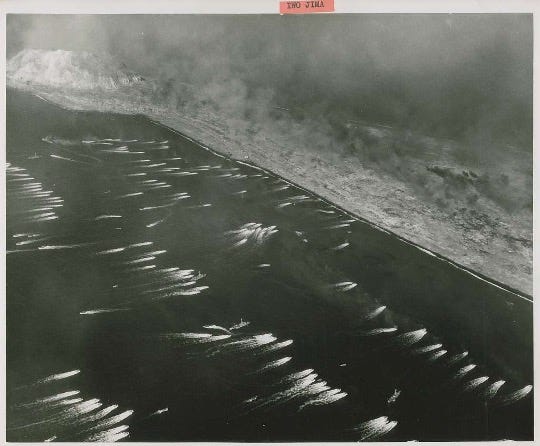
<point x="49" y="101"/>
<point x="521" y="295"/>
<point x="524" y="296"/>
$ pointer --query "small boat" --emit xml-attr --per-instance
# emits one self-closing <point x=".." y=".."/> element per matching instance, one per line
<point x="240" y="324"/>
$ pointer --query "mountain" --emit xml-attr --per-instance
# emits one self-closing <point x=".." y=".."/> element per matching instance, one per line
<point x="69" y="69"/>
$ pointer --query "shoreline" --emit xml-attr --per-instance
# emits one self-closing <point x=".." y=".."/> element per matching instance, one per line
<point x="437" y="255"/>
<point x="411" y="223"/>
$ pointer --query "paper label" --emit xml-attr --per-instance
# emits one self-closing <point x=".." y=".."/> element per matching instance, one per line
<point x="306" y="7"/>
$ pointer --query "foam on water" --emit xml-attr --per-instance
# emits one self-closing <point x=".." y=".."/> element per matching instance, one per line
<point x="376" y="428"/>
<point x="410" y="338"/>
<point x="515" y="396"/>
<point x="464" y="370"/>
<point x="102" y="310"/>
<point x="493" y="389"/>
<point x="341" y="246"/>
<point x="59" y="376"/>
<point x="473" y="384"/>
<point x="426" y="349"/>
<point x="260" y="355"/>
<point x="273" y="364"/>
<point x="377" y="331"/>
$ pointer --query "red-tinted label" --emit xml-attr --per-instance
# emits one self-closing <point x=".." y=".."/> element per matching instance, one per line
<point x="306" y="6"/>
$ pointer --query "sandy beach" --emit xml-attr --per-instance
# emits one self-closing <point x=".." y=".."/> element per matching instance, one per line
<point x="497" y="245"/>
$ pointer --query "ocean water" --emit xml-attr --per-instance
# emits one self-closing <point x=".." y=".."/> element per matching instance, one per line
<point x="159" y="292"/>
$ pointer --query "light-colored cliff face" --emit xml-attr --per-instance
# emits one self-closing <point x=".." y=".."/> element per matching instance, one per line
<point x="68" y="69"/>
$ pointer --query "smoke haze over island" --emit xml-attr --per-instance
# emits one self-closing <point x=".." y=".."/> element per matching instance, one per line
<point x="325" y="222"/>
<point x="459" y="76"/>
<point x="420" y="123"/>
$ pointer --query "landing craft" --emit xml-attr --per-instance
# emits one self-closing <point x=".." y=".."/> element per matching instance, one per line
<point x="59" y="376"/>
<point x="240" y="324"/>
<point x="50" y="399"/>
<point x="139" y="260"/>
<point x="345" y="286"/>
<point x="325" y="397"/>
<point x="297" y="376"/>
<point x="493" y="389"/>
<point x="473" y="384"/>
<point x="426" y="349"/>
<point x="60" y="141"/>
<point x="456" y="358"/>
<point x="344" y="225"/>
<point x="436" y="355"/>
<point x="110" y="251"/>
<point x="155" y="223"/>
<point x="113" y="420"/>
<point x="411" y="337"/>
<point x="110" y="435"/>
<point x="188" y="292"/>
<point x="217" y="327"/>
<point x="277" y="346"/>
<point x="106" y="216"/>
<point x="377" y="331"/>
<point x="103" y="310"/>
<point x="374" y="313"/>
<point x="98" y="415"/>
<point x="515" y="396"/>
<point x="375" y="428"/>
<point x="240" y="242"/>
<point x="160" y="411"/>
<point x="274" y="364"/>
<point x="393" y="398"/>
<point x="339" y="247"/>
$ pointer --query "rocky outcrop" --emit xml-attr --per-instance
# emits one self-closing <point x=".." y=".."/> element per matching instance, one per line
<point x="69" y="69"/>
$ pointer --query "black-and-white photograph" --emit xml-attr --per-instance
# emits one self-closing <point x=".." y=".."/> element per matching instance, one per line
<point x="269" y="228"/>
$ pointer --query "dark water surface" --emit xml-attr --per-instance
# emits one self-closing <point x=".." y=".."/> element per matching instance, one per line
<point x="158" y="292"/>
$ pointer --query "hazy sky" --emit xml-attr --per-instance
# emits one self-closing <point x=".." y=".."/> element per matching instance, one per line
<point x="457" y="75"/>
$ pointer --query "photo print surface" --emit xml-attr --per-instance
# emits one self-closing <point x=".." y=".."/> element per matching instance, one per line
<point x="265" y="228"/>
